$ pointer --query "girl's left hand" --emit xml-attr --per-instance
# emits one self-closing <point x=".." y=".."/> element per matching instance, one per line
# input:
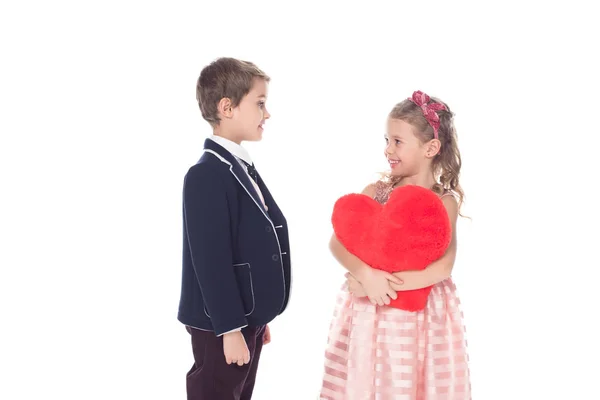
<point x="354" y="286"/>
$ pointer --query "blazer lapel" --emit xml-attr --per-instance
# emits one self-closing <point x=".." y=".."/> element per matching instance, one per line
<point x="237" y="170"/>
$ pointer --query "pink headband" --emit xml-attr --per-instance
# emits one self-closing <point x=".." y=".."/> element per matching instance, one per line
<point x="429" y="110"/>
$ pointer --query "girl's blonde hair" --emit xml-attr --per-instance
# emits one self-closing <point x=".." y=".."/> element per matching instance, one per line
<point x="447" y="163"/>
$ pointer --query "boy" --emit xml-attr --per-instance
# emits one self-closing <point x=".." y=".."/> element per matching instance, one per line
<point x="236" y="261"/>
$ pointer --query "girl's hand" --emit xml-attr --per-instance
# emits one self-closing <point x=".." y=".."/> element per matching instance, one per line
<point x="376" y="284"/>
<point x="354" y="286"/>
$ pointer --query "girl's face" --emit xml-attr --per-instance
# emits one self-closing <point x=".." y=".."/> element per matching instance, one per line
<point x="405" y="153"/>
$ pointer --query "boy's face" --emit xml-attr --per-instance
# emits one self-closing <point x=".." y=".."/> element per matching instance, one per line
<point x="249" y="116"/>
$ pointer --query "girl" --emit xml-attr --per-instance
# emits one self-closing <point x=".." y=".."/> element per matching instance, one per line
<point x="379" y="352"/>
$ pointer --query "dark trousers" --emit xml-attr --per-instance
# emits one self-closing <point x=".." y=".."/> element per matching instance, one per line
<point x="211" y="378"/>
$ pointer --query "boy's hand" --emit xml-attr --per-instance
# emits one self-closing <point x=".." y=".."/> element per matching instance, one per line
<point x="235" y="348"/>
<point x="267" y="335"/>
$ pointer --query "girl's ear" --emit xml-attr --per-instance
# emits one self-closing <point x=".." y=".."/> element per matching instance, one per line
<point x="433" y="148"/>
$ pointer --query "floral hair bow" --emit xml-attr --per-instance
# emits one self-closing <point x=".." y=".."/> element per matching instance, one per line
<point x="429" y="110"/>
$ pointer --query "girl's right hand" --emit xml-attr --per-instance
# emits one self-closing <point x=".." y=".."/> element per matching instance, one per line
<point x="354" y="286"/>
<point x="376" y="284"/>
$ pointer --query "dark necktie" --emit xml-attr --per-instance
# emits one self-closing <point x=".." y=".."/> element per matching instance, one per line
<point x="251" y="171"/>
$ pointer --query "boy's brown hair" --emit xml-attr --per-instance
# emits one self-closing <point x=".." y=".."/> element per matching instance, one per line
<point x="225" y="77"/>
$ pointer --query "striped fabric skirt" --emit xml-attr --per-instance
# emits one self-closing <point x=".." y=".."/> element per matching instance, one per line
<point x="383" y="353"/>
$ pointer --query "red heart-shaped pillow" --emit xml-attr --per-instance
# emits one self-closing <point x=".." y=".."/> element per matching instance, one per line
<point x="409" y="232"/>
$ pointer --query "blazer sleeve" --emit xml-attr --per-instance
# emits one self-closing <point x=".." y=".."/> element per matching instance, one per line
<point x="207" y="221"/>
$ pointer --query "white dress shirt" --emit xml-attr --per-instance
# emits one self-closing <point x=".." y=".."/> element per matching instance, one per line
<point x="241" y="155"/>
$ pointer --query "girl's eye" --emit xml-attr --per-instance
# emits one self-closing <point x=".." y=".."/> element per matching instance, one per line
<point x="261" y="104"/>
<point x="398" y="142"/>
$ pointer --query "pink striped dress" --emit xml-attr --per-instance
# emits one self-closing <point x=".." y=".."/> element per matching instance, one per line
<point x="383" y="353"/>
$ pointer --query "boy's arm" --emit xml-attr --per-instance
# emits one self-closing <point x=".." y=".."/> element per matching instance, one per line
<point x="440" y="269"/>
<point x="207" y="221"/>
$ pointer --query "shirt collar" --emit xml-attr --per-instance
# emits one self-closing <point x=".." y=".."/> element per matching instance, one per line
<point x="232" y="147"/>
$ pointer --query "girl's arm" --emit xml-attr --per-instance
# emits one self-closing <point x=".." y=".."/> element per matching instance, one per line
<point x="353" y="264"/>
<point x="440" y="269"/>
<point x="376" y="282"/>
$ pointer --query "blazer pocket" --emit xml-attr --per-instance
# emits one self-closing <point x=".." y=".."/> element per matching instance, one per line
<point x="243" y="275"/>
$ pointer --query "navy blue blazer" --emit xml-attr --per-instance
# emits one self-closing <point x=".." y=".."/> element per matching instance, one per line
<point x="236" y="254"/>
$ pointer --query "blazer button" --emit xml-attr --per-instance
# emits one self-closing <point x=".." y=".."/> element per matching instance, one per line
<point x="275" y="257"/>
<point x="267" y="228"/>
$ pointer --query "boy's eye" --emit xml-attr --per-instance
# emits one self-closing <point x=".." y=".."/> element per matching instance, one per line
<point x="261" y="104"/>
<point x="398" y="142"/>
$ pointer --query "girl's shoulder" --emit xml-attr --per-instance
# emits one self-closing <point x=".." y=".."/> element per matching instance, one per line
<point x="370" y="189"/>
<point x="447" y="193"/>
<point x="450" y="200"/>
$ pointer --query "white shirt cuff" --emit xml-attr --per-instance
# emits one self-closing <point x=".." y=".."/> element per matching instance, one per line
<point x="233" y="330"/>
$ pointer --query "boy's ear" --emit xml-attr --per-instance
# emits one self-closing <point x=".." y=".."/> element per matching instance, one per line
<point x="433" y="148"/>
<point x="224" y="107"/>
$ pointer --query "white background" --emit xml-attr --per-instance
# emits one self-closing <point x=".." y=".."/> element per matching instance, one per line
<point x="99" y="125"/>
